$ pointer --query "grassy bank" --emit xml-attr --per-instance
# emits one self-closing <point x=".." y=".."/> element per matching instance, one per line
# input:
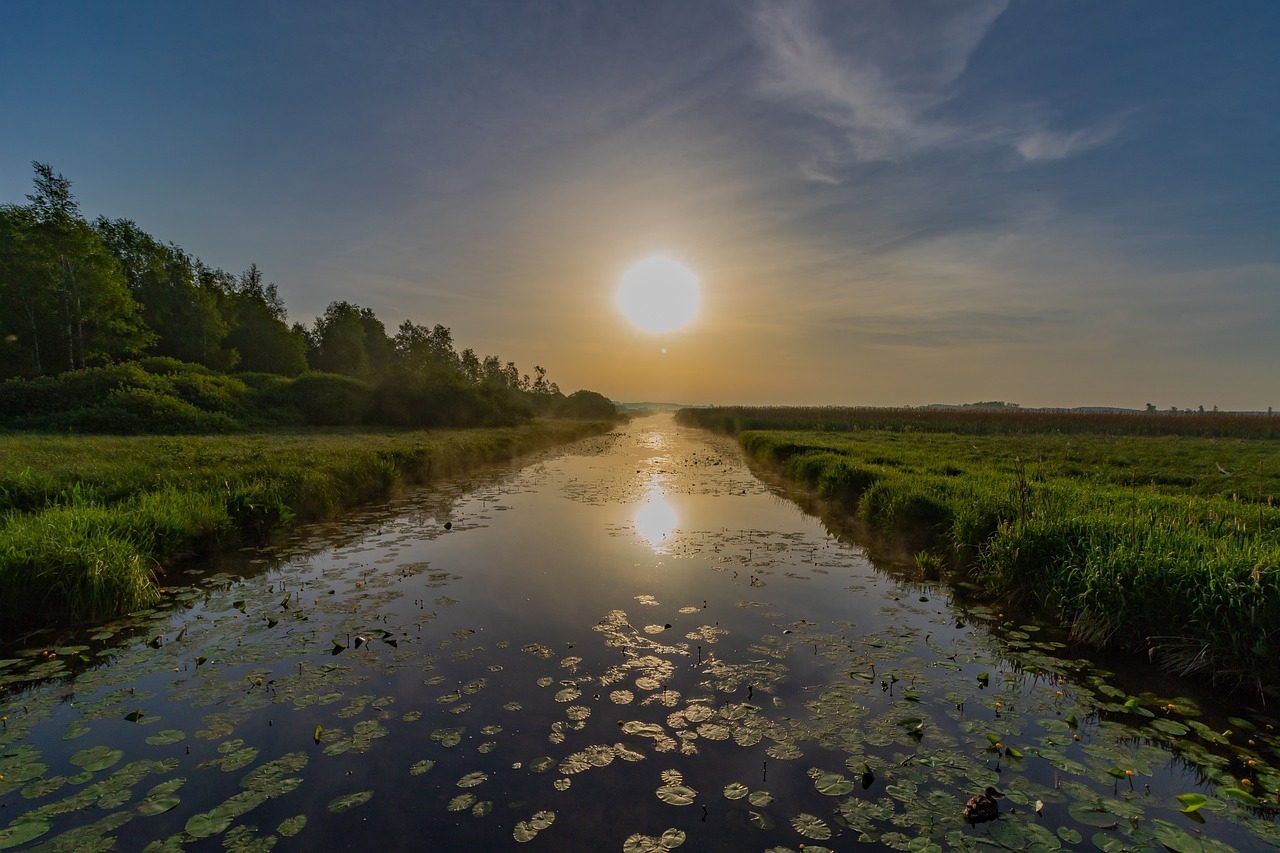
<point x="89" y="521"/>
<point x="1165" y="545"/>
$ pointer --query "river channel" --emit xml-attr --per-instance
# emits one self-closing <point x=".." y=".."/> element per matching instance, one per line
<point x="627" y="644"/>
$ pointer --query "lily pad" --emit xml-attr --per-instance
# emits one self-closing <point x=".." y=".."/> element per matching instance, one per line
<point x="833" y="785"/>
<point x="811" y="826"/>
<point x="473" y="779"/>
<point x="167" y="737"/>
<point x="96" y="758"/>
<point x="347" y="802"/>
<point x="22" y="830"/>
<point x="462" y="802"/>
<point x="677" y="795"/>
<point x="291" y="826"/>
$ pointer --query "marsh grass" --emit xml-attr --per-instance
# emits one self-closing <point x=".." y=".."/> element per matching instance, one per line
<point x="89" y="521"/>
<point x="983" y="421"/>
<point x="1168" y="545"/>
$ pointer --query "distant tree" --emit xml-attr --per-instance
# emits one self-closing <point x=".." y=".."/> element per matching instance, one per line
<point x="491" y="370"/>
<point x="27" y="308"/>
<point x="470" y="366"/>
<point x="61" y="277"/>
<point x="587" y="404"/>
<point x="427" y="352"/>
<point x="540" y="385"/>
<point x="259" y="334"/>
<point x="338" y="338"/>
<point x="1151" y="407"/>
<point x="165" y="280"/>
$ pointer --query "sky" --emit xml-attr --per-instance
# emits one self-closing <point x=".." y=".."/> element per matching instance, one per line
<point x="885" y="203"/>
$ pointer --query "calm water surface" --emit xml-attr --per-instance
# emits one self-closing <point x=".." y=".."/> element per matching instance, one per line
<point x="629" y="644"/>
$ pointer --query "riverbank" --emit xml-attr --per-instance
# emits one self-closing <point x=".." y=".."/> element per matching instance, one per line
<point x="1178" y="560"/>
<point x="90" y="521"/>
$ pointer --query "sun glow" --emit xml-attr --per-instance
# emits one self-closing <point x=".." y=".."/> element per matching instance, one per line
<point x="659" y="294"/>
<point x="655" y="518"/>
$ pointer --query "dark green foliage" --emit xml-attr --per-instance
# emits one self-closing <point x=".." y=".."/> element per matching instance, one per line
<point x="350" y="341"/>
<point x="77" y="299"/>
<point x="586" y="404"/>
<point x="178" y="304"/>
<point x="327" y="399"/>
<point x="64" y="304"/>
<point x="419" y="402"/>
<point x="125" y="399"/>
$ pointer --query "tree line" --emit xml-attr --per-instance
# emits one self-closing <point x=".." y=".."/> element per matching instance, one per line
<point x="80" y="296"/>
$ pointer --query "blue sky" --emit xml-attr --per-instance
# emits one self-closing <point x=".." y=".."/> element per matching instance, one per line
<point x="886" y="203"/>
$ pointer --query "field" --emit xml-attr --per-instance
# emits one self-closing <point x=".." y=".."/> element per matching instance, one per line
<point x="1165" y="544"/>
<point x="89" y="521"/>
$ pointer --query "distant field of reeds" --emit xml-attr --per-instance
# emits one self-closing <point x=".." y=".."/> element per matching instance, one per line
<point x="89" y="520"/>
<point x="1168" y="545"/>
<point x="983" y="421"/>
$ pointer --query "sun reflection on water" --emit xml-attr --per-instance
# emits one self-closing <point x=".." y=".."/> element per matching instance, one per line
<point x="655" y="518"/>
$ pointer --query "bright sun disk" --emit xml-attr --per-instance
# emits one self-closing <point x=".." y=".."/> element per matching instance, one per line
<point x="659" y="294"/>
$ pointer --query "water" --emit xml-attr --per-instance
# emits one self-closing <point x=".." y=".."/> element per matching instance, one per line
<point x="629" y="644"/>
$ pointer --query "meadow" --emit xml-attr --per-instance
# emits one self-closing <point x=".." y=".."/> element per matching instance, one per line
<point x="90" y="521"/>
<point x="1159" y="537"/>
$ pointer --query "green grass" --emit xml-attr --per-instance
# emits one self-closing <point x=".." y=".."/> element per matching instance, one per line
<point x="89" y="522"/>
<point x="1164" y="545"/>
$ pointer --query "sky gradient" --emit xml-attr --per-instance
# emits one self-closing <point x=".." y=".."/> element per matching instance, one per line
<point x="1046" y="203"/>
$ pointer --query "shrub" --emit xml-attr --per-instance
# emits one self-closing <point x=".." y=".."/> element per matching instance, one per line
<point x="587" y="405"/>
<point x="328" y="399"/>
<point x="131" y="411"/>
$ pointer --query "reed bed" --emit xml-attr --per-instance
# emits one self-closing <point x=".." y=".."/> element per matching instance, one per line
<point x="1164" y="545"/>
<point x="88" y="522"/>
<point x="984" y="421"/>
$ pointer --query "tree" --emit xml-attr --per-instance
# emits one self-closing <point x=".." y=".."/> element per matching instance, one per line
<point x="338" y="339"/>
<point x="259" y="334"/>
<point x="27" y="307"/>
<point x="165" y="280"/>
<point x="427" y="352"/>
<point x="80" y="281"/>
<point x="469" y="364"/>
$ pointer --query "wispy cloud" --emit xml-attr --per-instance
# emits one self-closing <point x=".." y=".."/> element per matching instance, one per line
<point x="881" y="82"/>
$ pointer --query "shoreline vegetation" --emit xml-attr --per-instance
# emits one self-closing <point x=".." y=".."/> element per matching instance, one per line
<point x="1152" y="533"/>
<point x="107" y="331"/>
<point x="89" y="522"/>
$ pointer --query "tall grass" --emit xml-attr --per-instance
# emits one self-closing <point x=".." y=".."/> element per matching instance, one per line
<point x="979" y="421"/>
<point x="89" y="522"/>
<point x="1188" y="574"/>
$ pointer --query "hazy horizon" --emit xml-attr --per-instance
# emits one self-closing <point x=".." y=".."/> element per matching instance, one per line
<point x="885" y="204"/>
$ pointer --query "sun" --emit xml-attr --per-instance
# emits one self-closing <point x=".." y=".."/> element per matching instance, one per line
<point x="659" y="294"/>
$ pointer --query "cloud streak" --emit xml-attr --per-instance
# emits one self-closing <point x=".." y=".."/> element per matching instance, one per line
<point x="881" y="92"/>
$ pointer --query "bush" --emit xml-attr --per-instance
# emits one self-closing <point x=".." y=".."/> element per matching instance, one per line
<point x="414" y="402"/>
<point x="132" y="411"/>
<point x="587" y="405"/>
<point x="163" y="365"/>
<point x="25" y="399"/>
<point x="328" y="399"/>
